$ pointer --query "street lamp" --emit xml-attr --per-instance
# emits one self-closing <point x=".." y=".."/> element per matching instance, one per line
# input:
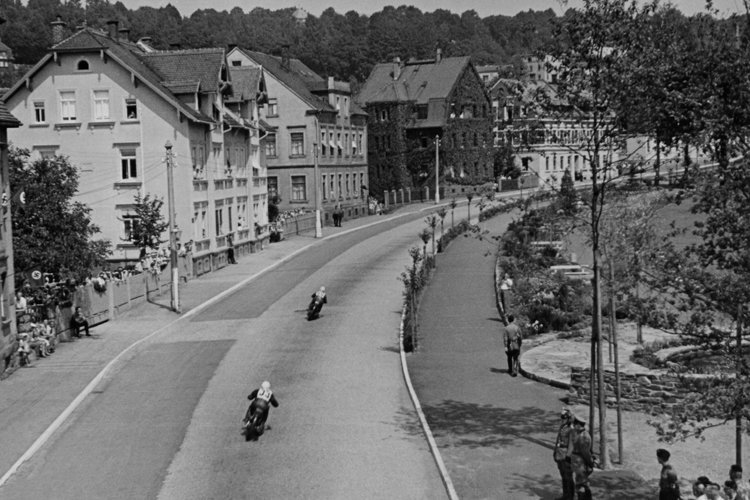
<point x="175" y="295"/>
<point x="316" y="180"/>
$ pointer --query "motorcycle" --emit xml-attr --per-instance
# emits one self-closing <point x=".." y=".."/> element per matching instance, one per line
<point x="253" y="425"/>
<point x="313" y="310"/>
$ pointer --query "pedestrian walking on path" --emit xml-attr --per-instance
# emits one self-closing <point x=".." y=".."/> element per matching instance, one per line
<point x="512" y="340"/>
<point x="561" y="457"/>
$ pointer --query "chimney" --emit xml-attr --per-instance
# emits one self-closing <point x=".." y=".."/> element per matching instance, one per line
<point x="112" y="28"/>
<point x="124" y="34"/>
<point x="396" y="68"/>
<point x="58" y="28"/>
<point x="285" y="56"/>
<point x="439" y="55"/>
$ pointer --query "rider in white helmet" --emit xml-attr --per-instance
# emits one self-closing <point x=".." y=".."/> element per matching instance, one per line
<point x="260" y="399"/>
<point x="320" y="298"/>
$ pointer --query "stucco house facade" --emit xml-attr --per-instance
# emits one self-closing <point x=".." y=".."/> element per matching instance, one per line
<point x="8" y="343"/>
<point x="415" y="106"/>
<point x="310" y="119"/>
<point x="111" y="105"/>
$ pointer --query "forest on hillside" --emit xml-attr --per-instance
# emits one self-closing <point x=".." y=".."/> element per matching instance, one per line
<point x="345" y="46"/>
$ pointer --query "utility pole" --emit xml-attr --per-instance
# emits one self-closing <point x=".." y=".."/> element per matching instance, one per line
<point x="316" y="180"/>
<point x="175" y="296"/>
<point x="437" y="169"/>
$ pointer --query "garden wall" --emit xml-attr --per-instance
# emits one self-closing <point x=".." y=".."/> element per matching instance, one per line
<point x="651" y="392"/>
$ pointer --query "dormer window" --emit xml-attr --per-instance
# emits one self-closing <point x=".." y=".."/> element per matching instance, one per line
<point x="82" y="65"/>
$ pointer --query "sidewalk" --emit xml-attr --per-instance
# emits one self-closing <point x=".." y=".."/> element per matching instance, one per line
<point x="36" y="399"/>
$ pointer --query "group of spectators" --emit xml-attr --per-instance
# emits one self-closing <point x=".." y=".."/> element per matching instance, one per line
<point x="733" y="488"/>
<point x="41" y="340"/>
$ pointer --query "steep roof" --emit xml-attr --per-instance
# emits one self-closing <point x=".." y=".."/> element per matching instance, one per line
<point x="246" y="83"/>
<point x="296" y="76"/>
<point x="7" y="119"/>
<point x="130" y="56"/>
<point x="417" y="81"/>
<point x="201" y="65"/>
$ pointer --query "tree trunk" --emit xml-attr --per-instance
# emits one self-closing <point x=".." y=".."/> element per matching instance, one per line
<point x="738" y="416"/>
<point x="597" y="327"/>
<point x="613" y="333"/>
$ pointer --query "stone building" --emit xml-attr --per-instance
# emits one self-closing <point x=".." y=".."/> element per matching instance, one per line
<point x="420" y="109"/>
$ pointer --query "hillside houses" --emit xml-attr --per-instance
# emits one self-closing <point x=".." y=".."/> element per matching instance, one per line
<point x="111" y="105"/>
<point x="416" y="105"/>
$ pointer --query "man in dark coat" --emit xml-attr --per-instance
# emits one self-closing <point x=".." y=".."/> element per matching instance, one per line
<point x="561" y="457"/>
<point x="512" y="341"/>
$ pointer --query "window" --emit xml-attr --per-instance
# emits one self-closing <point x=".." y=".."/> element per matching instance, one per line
<point x="219" y="215"/>
<point x="130" y="226"/>
<point x="340" y="190"/>
<point x="323" y="143"/>
<point x="346" y="106"/>
<point x="40" y="112"/>
<point x="331" y="190"/>
<point x="101" y="105"/>
<point x="273" y="107"/>
<point x="422" y="112"/>
<point x="270" y="142"/>
<point x="200" y="230"/>
<point x="324" y="183"/>
<point x="298" y="144"/>
<point x="68" y="105"/>
<point x="346" y="144"/>
<point x="273" y="187"/>
<point x="131" y="109"/>
<point x="299" y="190"/>
<point x="83" y="65"/>
<point x="359" y="144"/>
<point x="236" y="63"/>
<point x="128" y="164"/>
<point x="338" y="144"/>
<point x="348" y="187"/>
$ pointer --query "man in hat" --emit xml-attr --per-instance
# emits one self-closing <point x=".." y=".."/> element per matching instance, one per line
<point x="581" y="460"/>
<point x="669" y="487"/>
<point x="561" y="457"/>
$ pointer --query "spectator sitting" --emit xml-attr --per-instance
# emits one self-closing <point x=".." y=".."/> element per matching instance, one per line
<point x="38" y="343"/>
<point x="47" y="332"/>
<point x="21" y="303"/>
<point x="77" y="321"/>
<point x="24" y="349"/>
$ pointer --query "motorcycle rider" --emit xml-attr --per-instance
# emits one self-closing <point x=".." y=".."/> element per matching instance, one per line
<point x="320" y="297"/>
<point x="260" y="399"/>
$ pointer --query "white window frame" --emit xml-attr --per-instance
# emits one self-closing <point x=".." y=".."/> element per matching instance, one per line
<point x="296" y="147"/>
<point x="129" y="164"/>
<point x="68" y="105"/>
<point x="131" y="102"/>
<point x="273" y="107"/>
<point x="40" y="111"/>
<point x="298" y="194"/>
<point x="100" y="105"/>
<point x="271" y="143"/>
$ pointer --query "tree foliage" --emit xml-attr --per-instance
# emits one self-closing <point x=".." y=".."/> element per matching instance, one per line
<point x="51" y="233"/>
<point x="149" y="223"/>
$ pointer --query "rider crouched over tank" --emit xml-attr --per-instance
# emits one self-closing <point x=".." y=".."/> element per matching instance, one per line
<point x="260" y="400"/>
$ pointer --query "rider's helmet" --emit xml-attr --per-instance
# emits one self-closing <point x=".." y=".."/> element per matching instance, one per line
<point x="322" y="289"/>
<point x="266" y="385"/>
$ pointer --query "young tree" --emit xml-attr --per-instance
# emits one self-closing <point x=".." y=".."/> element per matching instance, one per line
<point x="593" y="57"/>
<point x="51" y="232"/>
<point x="149" y="224"/>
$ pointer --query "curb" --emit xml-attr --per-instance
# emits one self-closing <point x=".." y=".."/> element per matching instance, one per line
<point x="449" y="488"/>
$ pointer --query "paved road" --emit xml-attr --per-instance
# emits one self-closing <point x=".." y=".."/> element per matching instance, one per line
<point x="166" y="423"/>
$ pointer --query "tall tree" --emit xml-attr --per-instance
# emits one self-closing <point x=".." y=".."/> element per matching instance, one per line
<point x="51" y="232"/>
<point x="149" y="224"/>
<point x="593" y="56"/>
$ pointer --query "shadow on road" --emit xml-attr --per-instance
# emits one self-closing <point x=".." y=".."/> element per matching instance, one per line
<point x="473" y="425"/>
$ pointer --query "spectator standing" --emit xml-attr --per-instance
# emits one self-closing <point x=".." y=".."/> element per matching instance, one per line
<point x="79" y="321"/>
<point x="512" y="341"/>
<point x="669" y="487"/>
<point x="730" y="490"/>
<point x="24" y="349"/>
<point x="505" y="286"/>
<point x="560" y="454"/>
<point x="743" y="490"/>
<point x="581" y="460"/>
<point x="230" y="248"/>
